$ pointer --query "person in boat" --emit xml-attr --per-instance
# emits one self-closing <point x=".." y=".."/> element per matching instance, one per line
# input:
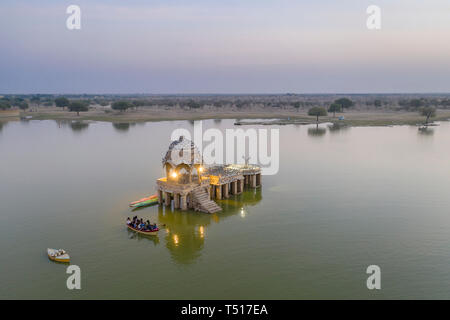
<point x="141" y="225"/>
<point x="148" y="226"/>
<point x="128" y="221"/>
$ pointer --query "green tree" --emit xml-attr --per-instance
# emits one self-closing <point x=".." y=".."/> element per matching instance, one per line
<point x="193" y="104"/>
<point x="4" y="105"/>
<point x="416" y="104"/>
<point x="78" y="106"/>
<point x="334" y="107"/>
<point x="48" y="103"/>
<point x="428" y="112"/>
<point x="345" y="103"/>
<point x="138" y="103"/>
<point x="36" y="100"/>
<point x="297" y="105"/>
<point x="317" y="112"/>
<point x="62" y="102"/>
<point x="23" y="105"/>
<point x="121" y="105"/>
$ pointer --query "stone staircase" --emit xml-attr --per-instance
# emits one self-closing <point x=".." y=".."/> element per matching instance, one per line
<point x="202" y="202"/>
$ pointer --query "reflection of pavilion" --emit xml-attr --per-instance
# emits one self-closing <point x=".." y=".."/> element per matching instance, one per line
<point x="191" y="185"/>
<point x="185" y="234"/>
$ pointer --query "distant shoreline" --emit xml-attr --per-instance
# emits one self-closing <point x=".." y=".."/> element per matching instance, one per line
<point x="351" y="117"/>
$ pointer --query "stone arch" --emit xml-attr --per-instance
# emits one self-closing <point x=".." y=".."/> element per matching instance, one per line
<point x="186" y="176"/>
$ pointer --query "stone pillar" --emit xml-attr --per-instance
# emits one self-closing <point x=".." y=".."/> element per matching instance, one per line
<point x="190" y="203"/>
<point x="211" y="192"/>
<point x="253" y="181"/>
<point x="176" y="200"/>
<point x="225" y="190"/>
<point x="183" y="202"/>
<point x="167" y="198"/>
<point x="168" y="172"/>
<point x="160" y="196"/>
<point x="218" y="192"/>
<point x="234" y="187"/>
<point x="258" y="179"/>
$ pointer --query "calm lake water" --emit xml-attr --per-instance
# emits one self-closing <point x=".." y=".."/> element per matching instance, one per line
<point x="342" y="200"/>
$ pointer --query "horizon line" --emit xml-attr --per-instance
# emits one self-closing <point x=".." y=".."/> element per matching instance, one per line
<point x="232" y="94"/>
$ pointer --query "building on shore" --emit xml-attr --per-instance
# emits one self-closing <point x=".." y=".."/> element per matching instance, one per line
<point x="189" y="184"/>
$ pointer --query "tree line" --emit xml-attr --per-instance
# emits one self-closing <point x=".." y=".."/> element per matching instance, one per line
<point x="8" y="103"/>
<point x="316" y="105"/>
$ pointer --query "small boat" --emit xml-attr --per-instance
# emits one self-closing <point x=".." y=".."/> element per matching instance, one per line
<point x="143" y="199"/>
<point x="145" y="203"/>
<point x="146" y="232"/>
<point x="58" y="255"/>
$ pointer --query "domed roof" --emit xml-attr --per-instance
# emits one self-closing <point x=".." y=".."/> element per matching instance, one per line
<point x="182" y="151"/>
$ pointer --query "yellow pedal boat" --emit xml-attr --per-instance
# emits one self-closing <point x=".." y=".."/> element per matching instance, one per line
<point x="58" y="255"/>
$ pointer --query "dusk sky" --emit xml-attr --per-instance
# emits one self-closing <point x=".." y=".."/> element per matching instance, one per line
<point x="208" y="46"/>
